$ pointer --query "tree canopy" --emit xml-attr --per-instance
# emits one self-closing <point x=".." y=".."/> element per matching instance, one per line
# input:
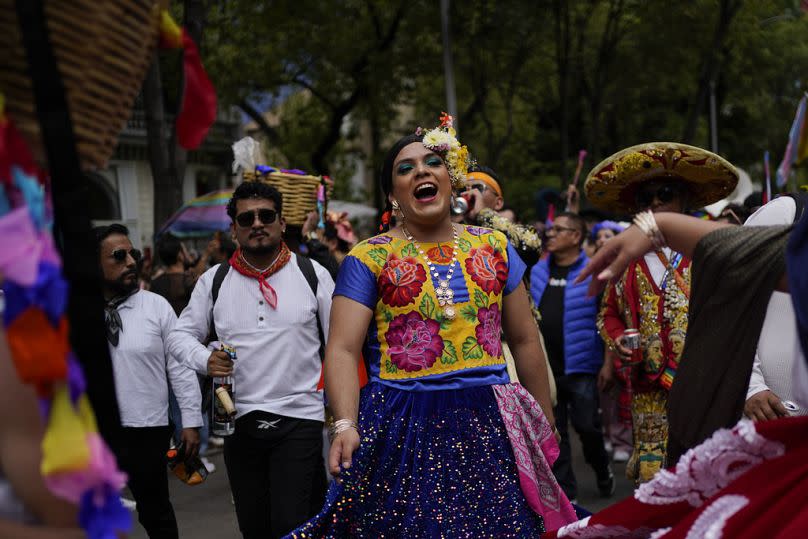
<point x="537" y="81"/>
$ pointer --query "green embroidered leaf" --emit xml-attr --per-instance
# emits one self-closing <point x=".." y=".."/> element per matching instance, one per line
<point x="428" y="307"/>
<point x="409" y="250"/>
<point x="464" y="244"/>
<point x="389" y="367"/>
<point x="471" y="349"/>
<point x="469" y="313"/>
<point x="449" y="353"/>
<point x="480" y="299"/>
<point x="492" y="241"/>
<point x="379" y="255"/>
<point x="444" y="322"/>
<point x="388" y="316"/>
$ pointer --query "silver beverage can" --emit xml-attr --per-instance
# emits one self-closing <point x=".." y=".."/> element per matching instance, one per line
<point x="631" y="339"/>
<point x="460" y="206"/>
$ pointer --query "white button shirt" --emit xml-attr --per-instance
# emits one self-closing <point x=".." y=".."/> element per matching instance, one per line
<point x="143" y="367"/>
<point x="778" y="349"/>
<point x="278" y="363"/>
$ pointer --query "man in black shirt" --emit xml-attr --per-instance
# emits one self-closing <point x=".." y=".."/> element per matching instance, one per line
<point x="574" y="349"/>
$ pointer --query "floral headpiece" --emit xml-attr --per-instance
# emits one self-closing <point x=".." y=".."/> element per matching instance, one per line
<point x="443" y="140"/>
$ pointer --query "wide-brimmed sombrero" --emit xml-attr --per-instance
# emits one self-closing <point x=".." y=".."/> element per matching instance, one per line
<point x="612" y="184"/>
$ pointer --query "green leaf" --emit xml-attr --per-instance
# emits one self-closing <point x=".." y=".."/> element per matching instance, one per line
<point x="388" y="316"/>
<point x="409" y="250"/>
<point x="379" y="255"/>
<point x="444" y="322"/>
<point x="492" y="241"/>
<point x="480" y="299"/>
<point x="464" y="244"/>
<point x="469" y="313"/>
<point x="389" y="367"/>
<point x="428" y="307"/>
<point x="471" y="349"/>
<point x="449" y="353"/>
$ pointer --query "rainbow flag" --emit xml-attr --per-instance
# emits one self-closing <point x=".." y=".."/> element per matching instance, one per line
<point x="797" y="147"/>
<point x="201" y="216"/>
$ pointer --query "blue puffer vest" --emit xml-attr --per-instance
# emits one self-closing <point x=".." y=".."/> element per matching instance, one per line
<point x="583" y="347"/>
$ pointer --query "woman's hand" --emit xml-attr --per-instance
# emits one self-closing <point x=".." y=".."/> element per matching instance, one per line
<point x="614" y="257"/>
<point x="342" y="449"/>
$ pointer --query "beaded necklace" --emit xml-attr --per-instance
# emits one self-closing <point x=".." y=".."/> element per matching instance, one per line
<point x="444" y="292"/>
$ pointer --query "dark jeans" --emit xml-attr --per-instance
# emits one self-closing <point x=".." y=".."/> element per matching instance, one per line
<point x="276" y="471"/>
<point x="578" y="402"/>
<point x="142" y="455"/>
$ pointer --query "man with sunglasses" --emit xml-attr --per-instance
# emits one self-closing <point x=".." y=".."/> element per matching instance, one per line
<point x="137" y="325"/>
<point x="266" y="309"/>
<point x="652" y="295"/>
<point x="574" y="349"/>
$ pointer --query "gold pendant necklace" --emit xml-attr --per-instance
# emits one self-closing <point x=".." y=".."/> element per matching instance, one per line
<point x="443" y="291"/>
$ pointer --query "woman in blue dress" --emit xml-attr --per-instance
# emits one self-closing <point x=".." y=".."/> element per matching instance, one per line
<point x="440" y="443"/>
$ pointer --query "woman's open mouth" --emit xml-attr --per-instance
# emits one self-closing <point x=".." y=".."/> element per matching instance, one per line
<point x="426" y="192"/>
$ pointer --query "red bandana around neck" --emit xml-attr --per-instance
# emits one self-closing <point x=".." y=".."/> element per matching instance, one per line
<point x="240" y="265"/>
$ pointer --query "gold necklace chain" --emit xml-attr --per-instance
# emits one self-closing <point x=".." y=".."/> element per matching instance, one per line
<point x="444" y="291"/>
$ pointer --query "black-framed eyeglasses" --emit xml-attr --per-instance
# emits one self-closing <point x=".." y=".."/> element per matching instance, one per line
<point x="120" y="255"/>
<point x="556" y="229"/>
<point x="665" y="193"/>
<point x="265" y="215"/>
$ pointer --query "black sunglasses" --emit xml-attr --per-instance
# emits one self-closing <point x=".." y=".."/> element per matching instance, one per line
<point x="481" y="187"/>
<point x="120" y="255"/>
<point x="266" y="216"/>
<point x="665" y="194"/>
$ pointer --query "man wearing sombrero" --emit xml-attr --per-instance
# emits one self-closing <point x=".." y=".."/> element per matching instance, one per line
<point x="652" y="295"/>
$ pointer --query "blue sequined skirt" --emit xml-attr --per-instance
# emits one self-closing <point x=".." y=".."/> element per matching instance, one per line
<point x="430" y="464"/>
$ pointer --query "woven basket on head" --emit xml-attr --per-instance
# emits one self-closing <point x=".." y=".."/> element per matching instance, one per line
<point x="103" y="50"/>
<point x="299" y="192"/>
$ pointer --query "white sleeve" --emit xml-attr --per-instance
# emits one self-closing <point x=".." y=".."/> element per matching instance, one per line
<point x="325" y="289"/>
<point x="185" y="341"/>
<point x="780" y="211"/>
<point x="183" y="380"/>
<point x="756" y="382"/>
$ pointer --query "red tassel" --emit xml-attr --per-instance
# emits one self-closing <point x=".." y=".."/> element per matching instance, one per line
<point x="385" y="221"/>
<point x="198" y="110"/>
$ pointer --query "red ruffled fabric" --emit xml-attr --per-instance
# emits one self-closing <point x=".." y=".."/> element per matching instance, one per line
<point x="744" y="483"/>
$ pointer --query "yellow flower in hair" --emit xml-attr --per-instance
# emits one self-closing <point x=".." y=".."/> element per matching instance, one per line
<point x="443" y="140"/>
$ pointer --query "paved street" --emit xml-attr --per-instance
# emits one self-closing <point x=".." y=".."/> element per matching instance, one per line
<point x="205" y="511"/>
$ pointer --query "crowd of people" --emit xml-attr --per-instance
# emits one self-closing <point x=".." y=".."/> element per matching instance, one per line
<point x="458" y="346"/>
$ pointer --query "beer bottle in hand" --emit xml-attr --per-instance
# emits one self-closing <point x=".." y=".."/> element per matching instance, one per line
<point x="223" y="410"/>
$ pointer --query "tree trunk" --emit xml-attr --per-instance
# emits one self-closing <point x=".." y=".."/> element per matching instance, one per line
<point x="167" y="195"/>
<point x="167" y="158"/>
<point x="562" y="38"/>
<point x="709" y="67"/>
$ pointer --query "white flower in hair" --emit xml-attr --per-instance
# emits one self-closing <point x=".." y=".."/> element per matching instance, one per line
<point x="442" y="140"/>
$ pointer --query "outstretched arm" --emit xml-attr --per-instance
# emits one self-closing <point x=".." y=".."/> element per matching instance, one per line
<point x="682" y="233"/>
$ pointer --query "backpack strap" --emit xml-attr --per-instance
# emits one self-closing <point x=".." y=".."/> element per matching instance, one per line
<point x="218" y="278"/>
<point x="307" y="269"/>
<point x="207" y="381"/>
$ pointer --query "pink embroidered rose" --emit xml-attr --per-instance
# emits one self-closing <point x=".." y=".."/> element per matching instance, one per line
<point x="488" y="329"/>
<point x="401" y="281"/>
<point x="488" y="268"/>
<point x="414" y="343"/>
